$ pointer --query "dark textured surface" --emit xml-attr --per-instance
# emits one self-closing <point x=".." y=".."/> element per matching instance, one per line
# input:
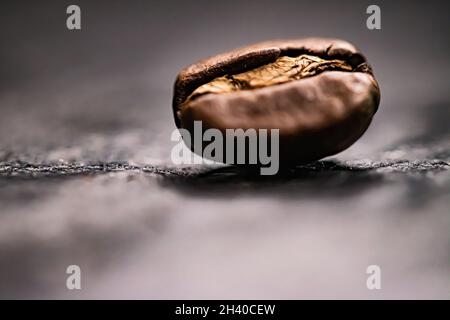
<point x="27" y="170"/>
<point x="86" y="176"/>
<point x="164" y="232"/>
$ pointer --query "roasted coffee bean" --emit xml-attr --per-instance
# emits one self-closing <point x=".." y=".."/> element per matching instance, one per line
<point x="320" y="93"/>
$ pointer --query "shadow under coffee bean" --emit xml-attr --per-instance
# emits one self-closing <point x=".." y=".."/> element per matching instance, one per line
<point x="319" y="93"/>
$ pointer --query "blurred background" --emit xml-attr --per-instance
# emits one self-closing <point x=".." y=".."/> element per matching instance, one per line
<point x="86" y="176"/>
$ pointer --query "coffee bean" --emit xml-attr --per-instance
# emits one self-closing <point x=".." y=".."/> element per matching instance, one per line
<point x="320" y="93"/>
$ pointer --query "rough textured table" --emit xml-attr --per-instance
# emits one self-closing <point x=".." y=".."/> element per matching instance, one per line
<point x="86" y="177"/>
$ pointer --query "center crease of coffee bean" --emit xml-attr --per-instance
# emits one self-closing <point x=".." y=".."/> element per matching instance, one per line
<point x="282" y="70"/>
